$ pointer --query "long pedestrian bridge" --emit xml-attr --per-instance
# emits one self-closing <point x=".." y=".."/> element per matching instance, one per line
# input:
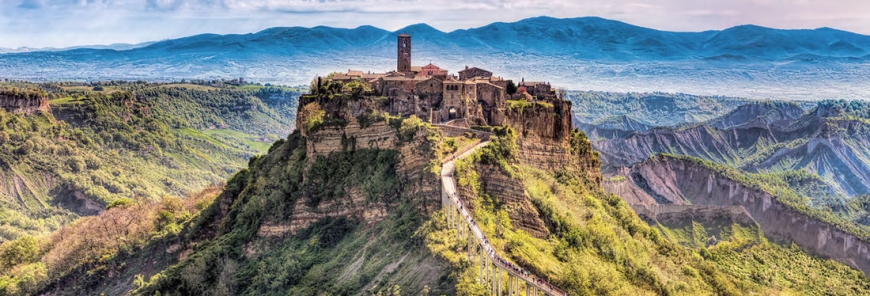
<point x="501" y="277"/>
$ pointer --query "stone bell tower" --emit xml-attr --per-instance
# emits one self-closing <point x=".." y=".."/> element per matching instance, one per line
<point x="404" y="54"/>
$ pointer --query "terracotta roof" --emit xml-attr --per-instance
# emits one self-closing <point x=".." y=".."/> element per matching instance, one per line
<point x="354" y="73"/>
<point x="416" y="68"/>
<point x="404" y="35"/>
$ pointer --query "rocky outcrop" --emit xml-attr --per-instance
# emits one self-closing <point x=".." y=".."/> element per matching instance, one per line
<point x="546" y="122"/>
<point x="523" y="214"/>
<point x="544" y="133"/>
<point x="417" y="183"/>
<point x="24" y="102"/>
<point x="682" y="182"/>
<point x="354" y="205"/>
<point x="379" y="135"/>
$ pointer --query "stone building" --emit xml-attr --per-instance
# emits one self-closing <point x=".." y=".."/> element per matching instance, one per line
<point x="474" y="97"/>
<point x="472" y="72"/>
<point x="536" y="88"/>
<point x="432" y="70"/>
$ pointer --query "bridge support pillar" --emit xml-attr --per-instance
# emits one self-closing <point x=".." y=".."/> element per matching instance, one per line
<point x="492" y="278"/>
<point x="482" y="261"/>
<point x="510" y="285"/>
<point x="500" y="281"/>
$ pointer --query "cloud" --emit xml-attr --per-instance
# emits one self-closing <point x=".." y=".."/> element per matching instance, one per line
<point x="38" y="23"/>
<point x="30" y="4"/>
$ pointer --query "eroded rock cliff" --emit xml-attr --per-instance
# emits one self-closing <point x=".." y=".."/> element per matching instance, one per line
<point x="24" y="102"/>
<point x="667" y="180"/>
<point x="548" y="140"/>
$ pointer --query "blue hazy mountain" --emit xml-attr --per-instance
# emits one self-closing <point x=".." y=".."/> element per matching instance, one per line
<point x="575" y="52"/>
<point x="589" y="37"/>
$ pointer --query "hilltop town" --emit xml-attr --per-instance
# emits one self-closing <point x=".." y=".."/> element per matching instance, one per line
<point x="474" y="97"/>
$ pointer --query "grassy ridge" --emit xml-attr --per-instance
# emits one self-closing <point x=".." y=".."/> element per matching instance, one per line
<point x="599" y="246"/>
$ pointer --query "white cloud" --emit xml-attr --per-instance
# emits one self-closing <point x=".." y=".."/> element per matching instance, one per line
<point x="39" y="23"/>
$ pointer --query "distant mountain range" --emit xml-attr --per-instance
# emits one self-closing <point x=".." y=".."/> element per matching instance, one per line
<point x="115" y="46"/>
<point x="574" y="53"/>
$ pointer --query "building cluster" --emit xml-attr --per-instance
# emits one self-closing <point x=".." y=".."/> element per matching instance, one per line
<point x="473" y="97"/>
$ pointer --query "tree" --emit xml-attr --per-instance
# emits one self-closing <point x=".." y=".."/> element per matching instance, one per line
<point x="21" y="250"/>
<point x="511" y="87"/>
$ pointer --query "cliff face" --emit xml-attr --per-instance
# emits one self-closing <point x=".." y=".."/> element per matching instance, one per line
<point x="545" y="134"/>
<point x="663" y="180"/>
<point x="351" y="137"/>
<point x="27" y="103"/>
<point x="523" y="214"/>
<point x="413" y="177"/>
<point x="762" y="137"/>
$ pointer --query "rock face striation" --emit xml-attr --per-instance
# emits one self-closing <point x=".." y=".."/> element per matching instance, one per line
<point x="24" y="102"/>
<point x="523" y="214"/>
<point x="762" y="137"/>
<point x="678" y="183"/>
<point x="545" y="133"/>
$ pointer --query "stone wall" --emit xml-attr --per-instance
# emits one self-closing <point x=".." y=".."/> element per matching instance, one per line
<point x="453" y="131"/>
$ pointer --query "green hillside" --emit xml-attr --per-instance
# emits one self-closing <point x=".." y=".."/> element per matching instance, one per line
<point x="598" y="245"/>
<point x="131" y="141"/>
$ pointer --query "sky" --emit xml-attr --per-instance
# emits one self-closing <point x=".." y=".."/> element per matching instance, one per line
<point x="65" y="23"/>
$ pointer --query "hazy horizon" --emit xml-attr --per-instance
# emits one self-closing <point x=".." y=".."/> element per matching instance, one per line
<point x="59" y="24"/>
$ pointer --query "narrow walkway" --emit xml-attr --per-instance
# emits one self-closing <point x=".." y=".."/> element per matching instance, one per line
<point x="492" y="267"/>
